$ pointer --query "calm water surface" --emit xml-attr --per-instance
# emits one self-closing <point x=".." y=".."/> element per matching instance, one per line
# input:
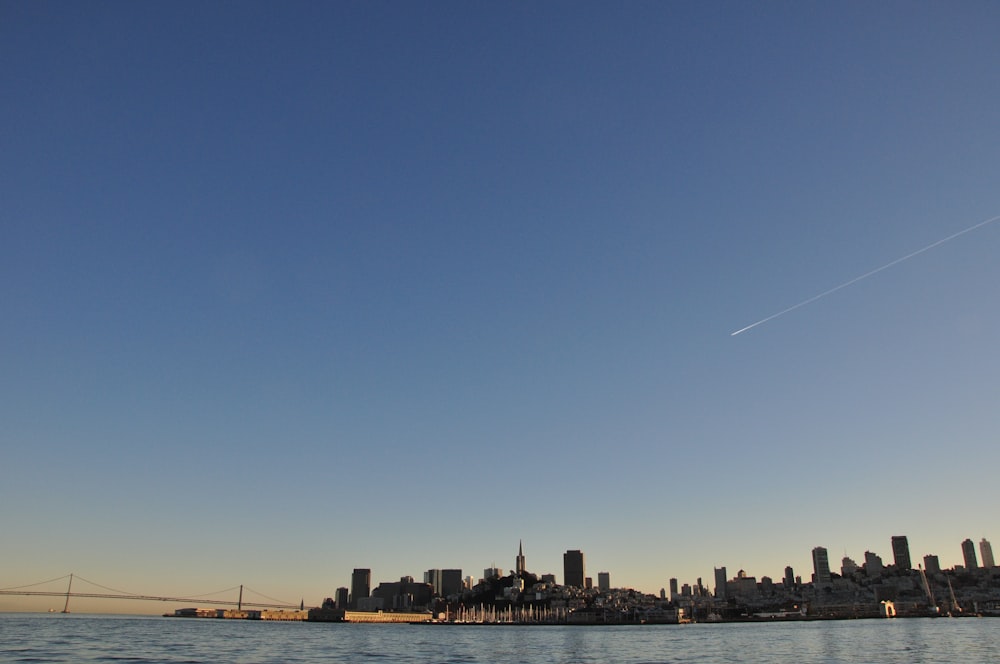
<point x="89" y="638"/>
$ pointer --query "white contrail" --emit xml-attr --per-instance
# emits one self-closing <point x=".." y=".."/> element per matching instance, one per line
<point x="866" y="275"/>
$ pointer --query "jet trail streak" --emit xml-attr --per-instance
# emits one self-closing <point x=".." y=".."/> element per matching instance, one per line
<point x="866" y="275"/>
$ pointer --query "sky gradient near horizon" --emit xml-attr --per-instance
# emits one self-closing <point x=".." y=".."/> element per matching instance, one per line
<point x="294" y="288"/>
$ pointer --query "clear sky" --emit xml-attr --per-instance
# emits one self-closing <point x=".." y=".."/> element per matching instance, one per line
<point x="293" y="288"/>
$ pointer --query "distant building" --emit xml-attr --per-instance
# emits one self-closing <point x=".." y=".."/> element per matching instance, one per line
<point x="492" y="573"/>
<point x="969" y="554"/>
<point x="549" y="579"/>
<point x="720" y="583"/>
<point x="404" y="595"/>
<point x="673" y="588"/>
<point x="361" y="585"/>
<point x="588" y="583"/>
<point x="873" y="564"/>
<point x="604" y="581"/>
<point x="573" y="568"/>
<point x="342" y="598"/>
<point x="519" y="567"/>
<point x="987" y="552"/>
<point x="821" y="565"/>
<point x="433" y="577"/>
<point x="848" y="566"/>
<point x="451" y="582"/>
<point x="789" y="577"/>
<point x="901" y="552"/>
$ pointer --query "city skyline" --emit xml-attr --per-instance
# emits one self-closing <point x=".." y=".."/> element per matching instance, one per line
<point x="293" y="290"/>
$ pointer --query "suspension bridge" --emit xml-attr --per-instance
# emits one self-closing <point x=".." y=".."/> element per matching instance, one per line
<point x="32" y="590"/>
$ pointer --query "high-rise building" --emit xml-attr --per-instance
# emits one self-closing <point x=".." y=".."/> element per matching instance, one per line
<point x="519" y="568"/>
<point x="673" y="588"/>
<point x="848" y="566"/>
<point x="789" y="577"/>
<point x="987" y="553"/>
<point x="821" y="565"/>
<point x="969" y="554"/>
<point x="451" y="582"/>
<point x="932" y="565"/>
<point x="901" y="552"/>
<point x="361" y="585"/>
<point x="433" y="577"/>
<point x="343" y="598"/>
<point x="588" y="583"/>
<point x="720" y="583"/>
<point x="492" y="572"/>
<point x="604" y="581"/>
<point x="573" y="568"/>
<point x="873" y="564"/>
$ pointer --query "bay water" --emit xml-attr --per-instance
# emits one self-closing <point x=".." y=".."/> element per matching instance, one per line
<point x="96" y="638"/>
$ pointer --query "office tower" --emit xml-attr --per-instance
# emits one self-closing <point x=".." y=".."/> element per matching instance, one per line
<point x="848" y="566"/>
<point x="873" y="564"/>
<point x="987" y="552"/>
<point x="901" y="552"/>
<point x="673" y="588"/>
<point x="433" y="577"/>
<point x="361" y="585"/>
<point x="451" y="582"/>
<point x="604" y="581"/>
<point x="663" y="593"/>
<point x="821" y="565"/>
<point x="720" y="583"/>
<point x="470" y="583"/>
<point x="343" y="597"/>
<point x="932" y="565"/>
<point x="519" y="563"/>
<point x="573" y="568"/>
<point x="969" y="554"/>
<point x="492" y="573"/>
<point x="789" y="577"/>
<point x="588" y="583"/>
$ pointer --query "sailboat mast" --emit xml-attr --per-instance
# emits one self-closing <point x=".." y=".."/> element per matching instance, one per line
<point x="68" y="589"/>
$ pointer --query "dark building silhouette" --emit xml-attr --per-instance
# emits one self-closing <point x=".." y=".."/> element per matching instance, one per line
<point x="573" y="568"/>
<point x="404" y="595"/>
<point x="969" y="554"/>
<point x="721" y="592"/>
<point x="343" y="598"/>
<point x="519" y="563"/>
<point x="901" y="552"/>
<point x="451" y="582"/>
<point x="932" y="564"/>
<point x="821" y="565"/>
<point x="361" y="585"/>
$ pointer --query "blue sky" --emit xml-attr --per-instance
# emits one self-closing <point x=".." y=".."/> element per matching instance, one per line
<point x="294" y="289"/>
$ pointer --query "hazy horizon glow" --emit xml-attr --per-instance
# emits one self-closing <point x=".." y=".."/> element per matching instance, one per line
<point x="290" y="290"/>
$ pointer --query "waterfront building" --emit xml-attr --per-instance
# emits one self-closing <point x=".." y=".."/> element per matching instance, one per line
<point x="673" y="588"/>
<point x="932" y="565"/>
<point x="342" y="598"/>
<point x="519" y="567"/>
<point x="573" y="568"/>
<point x="604" y="581"/>
<point x="987" y="553"/>
<point x="901" y="552"/>
<point x="720" y="583"/>
<point x="789" y="577"/>
<point x="969" y="554"/>
<point x="821" y="565"/>
<point x="361" y="585"/>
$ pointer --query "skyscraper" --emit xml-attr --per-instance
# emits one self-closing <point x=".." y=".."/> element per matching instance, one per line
<point x="573" y="568"/>
<point x="789" y="577"/>
<point x="604" y="581"/>
<point x="821" y="565"/>
<point x="969" y="554"/>
<point x="343" y="598"/>
<point x="987" y="553"/>
<point x="720" y="583"/>
<point x="433" y="577"/>
<point x="673" y="588"/>
<point x="361" y="585"/>
<point x="519" y="563"/>
<point x="451" y="582"/>
<point x="932" y="564"/>
<point x="901" y="552"/>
